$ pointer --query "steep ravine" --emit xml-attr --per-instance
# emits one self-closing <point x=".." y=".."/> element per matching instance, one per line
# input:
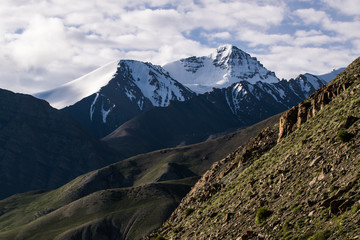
<point x="306" y="186"/>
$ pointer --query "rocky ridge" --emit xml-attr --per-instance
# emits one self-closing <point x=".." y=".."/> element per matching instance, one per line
<point x="307" y="109"/>
<point x="304" y="187"/>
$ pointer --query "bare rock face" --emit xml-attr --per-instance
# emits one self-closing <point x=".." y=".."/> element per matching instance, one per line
<point x="288" y="122"/>
<point x="294" y="117"/>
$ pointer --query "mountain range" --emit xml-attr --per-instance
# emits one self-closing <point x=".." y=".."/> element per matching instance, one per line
<point x="112" y="162"/>
<point x="191" y="100"/>
<point x="141" y="108"/>
<point x="294" y="177"/>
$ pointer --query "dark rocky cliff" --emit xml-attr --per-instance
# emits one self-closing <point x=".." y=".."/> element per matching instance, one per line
<point x="41" y="147"/>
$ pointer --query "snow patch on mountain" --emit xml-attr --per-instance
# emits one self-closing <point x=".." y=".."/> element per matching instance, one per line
<point x="92" y="106"/>
<point x="105" y="113"/>
<point x="154" y="83"/>
<point x="79" y="88"/>
<point x="225" y="66"/>
<point x="140" y="103"/>
<point x="130" y="94"/>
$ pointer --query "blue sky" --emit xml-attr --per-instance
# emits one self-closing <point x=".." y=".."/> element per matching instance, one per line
<point x="46" y="43"/>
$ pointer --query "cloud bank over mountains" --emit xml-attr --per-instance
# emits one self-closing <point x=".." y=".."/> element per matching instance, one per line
<point x="45" y="43"/>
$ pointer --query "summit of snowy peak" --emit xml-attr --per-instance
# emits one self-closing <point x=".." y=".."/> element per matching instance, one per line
<point x="227" y="51"/>
<point x="225" y="66"/>
<point x="223" y="51"/>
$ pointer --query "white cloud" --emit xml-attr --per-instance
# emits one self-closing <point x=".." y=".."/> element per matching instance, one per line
<point x="46" y="43"/>
<point x="314" y="38"/>
<point x="217" y="35"/>
<point x="40" y="45"/>
<point x="289" y="61"/>
<point x="256" y="38"/>
<point x="346" y="29"/>
<point x="311" y="16"/>
<point x="349" y="7"/>
<point x="231" y="14"/>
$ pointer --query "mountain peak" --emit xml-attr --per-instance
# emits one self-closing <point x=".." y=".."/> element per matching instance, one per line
<point x="225" y="66"/>
<point x="223" y="51"/>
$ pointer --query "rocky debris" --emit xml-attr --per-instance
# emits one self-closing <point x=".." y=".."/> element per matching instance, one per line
<point x="249" y="235"/>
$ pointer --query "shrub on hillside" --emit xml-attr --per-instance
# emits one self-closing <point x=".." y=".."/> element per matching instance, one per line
<point x="323" y="235"/>
<point x="189" y="211"/>
<point x="344" y="136"/>
<point x="262" y="214"/>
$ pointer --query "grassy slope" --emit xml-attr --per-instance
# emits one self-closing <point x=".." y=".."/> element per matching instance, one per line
<point x="89" y="199"/>
<point x="197" y="158"/>
<point x="309" y="184"/>
<point x="119" y="204"/>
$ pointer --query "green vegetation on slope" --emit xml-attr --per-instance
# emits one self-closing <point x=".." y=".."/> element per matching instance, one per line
<point x="115" y="207"/>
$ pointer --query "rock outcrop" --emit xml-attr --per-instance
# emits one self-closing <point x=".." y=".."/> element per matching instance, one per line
<point x="297" y="115"/>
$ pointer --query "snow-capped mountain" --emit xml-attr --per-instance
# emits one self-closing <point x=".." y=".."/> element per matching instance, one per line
<point x="225" y="66"/>
<point x="267" y="98"/>
<point x="134" y="87"/>
<point x="113" y="94"/>
<point x="274" y="97"/>
<point x="219" y="111"/>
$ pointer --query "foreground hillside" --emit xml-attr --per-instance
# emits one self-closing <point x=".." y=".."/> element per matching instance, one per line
<point x="306" y="186"/>
<point x="125" y="200"/>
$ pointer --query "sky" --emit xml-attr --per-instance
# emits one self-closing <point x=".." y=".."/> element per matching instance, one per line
<point x="46" y="43"/>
